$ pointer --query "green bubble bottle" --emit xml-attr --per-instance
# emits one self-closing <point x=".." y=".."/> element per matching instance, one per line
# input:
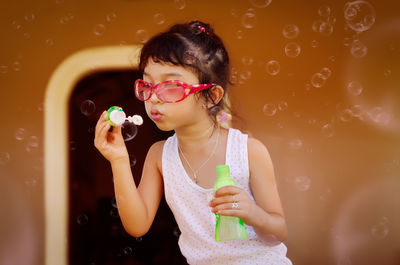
<point x="227" y="227"/>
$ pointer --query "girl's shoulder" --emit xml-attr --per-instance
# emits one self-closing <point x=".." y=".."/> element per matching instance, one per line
<point x="155" y="153"/>
<point x="257" y="151"/>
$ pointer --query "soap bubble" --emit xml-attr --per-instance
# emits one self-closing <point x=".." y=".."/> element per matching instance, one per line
<point x="87" y="107"/>
<point x="295" y="144"/>
<point x="387" y="73"/>
<point x="4" y="158"/>
<point x="269" y="109"/>
<point x="128" y="251"/>
<point x="346" y="115"/>
<point x="27" y="35"/>
<point x="32" y="144"/>
<point x="316" y="25"/>
<point x="114" y="213"/>
<point x="326" y="72"/>
<point x="318" y="80"/>
<point x="282" y="105"/>
<point x="326" y="28"/>
<point x="159" y="18"/>
<point x="290" y="31"/>
<point x="249" y="19"/>
<point x="302" y="183"/>
<point x="239" y="34"/>
<point x="17" y="66"/>
<point x="111" y="17"/>
<point x="358" y="49"/>
<point x="180" y="4"/>
<point x="15" y="24"/>
<point x="359" y="15"/>
<point x="4" y="69"/>
<point x="20" y="134"/>
<point x="67" y="18"/>
<point x="380" y="230"/>
<point x="82" y="219"/>
<point x="356" y="110"/>
<point x="129" y="131"/>
<point x="327" y="130"/>
<point x="324" y="11"/>
<point x="30" y="17"/>
<point x="99" y="29"/>
<point x="49" y="42"/>
<point x="260" y="3"/>
<point x="142" y="35"/>
<point x="273" y="67"/>
<point x="292" y="49"/>
<point x="314" y="43"/>
<point x="139" y="239"/>
<point x="73" y="145"/>
<point x="355" y="88"/>
<point x="247" y="60"/>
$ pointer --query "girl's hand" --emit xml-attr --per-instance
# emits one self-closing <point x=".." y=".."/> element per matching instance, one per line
<point x="110" y="144"/>
<point x="234" y="201"/>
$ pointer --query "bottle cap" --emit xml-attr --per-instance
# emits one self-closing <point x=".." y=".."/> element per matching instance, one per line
<point x="222" y="170"/>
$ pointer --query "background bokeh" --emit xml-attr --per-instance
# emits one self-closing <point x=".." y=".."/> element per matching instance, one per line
<point x="316" y="81"/>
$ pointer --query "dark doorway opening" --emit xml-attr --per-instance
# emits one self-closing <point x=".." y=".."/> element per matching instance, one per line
<point x="96" y="235"/>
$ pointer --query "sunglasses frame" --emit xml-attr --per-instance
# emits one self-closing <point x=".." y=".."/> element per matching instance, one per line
<point x="187" y="89"/>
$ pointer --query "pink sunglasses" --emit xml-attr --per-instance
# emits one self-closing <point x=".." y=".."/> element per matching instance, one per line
<point x="170" y="91"/>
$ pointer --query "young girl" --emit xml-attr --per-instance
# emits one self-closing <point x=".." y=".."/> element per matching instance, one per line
<point x="184" y="88"/>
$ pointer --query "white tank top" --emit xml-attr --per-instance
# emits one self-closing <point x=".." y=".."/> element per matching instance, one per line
<point x="189" y="204"/>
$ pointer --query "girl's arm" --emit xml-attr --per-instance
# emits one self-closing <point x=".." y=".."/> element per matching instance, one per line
<point x="265" y="214"/>
<point x="137" y="206"/>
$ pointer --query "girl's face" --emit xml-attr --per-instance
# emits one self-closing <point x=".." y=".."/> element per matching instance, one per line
<point x="169" y="116"/>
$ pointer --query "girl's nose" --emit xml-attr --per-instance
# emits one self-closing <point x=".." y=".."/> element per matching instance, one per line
<point x="154" y="99"/>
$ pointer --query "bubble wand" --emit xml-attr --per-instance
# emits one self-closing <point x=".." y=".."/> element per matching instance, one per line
<point x="116" y="117"/>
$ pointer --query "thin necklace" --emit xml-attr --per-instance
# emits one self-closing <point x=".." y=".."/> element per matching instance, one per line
<point x="211" y="155"/>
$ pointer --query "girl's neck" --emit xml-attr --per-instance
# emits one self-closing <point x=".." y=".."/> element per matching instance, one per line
<point x="195" y="135"/>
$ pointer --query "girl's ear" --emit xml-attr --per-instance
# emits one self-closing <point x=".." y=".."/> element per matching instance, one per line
<point x="216" y="93"/>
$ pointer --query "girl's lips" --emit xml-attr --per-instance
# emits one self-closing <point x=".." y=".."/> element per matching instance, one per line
<point x="155" y="115"/>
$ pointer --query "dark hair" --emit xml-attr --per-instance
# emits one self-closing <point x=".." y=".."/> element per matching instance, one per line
<point x="193" y="45"/>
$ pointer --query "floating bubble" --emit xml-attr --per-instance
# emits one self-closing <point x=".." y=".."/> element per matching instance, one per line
<point x="27" y="35"/>
<point x="308" y="87"/>
<point x="4" y="69"/>
<point x="302" y="183"/>
<point x="82" y="219"/>
<point x="159" y="18"/>
<point x="290" y="31"/>
<point x="347" y="41"/>
<point x="387" y="73"/>
<point x="295" y="144"/>
<point x="15" y="24"/>
<point x="327" y="130"/>
<point x="114" y="213"/>
<point x="380" y="230"/>
<point x="247" y="60"/>
<point x="99" y="29"/>
<point x="331" y="20"/>
<point x="111" y="17"/>
<point x="139" y="239"/>
<point x="239" y="34"/>
<point x="128" y="251"/>
<point x="326" y="72"/>
<point x="260" y="3"/>
<point x="346" y="115"/>
<point x="20" y="134"/>
<point x="269" y="109"/>
<point x="318" y="80"/>
<point x="332" y="58"/>
<point x="379" y="115"/>
<point x="4" y="158"/>
<point x="73" y="145"/>
<point x="87" y="107"/>
<point x="249" y="19"/>
<point x="129" y="131"/>
<point x="180" y="4"/>
<point x="30" y="17"/>
<point x="282" y="105"/>
<point x="359" y="15"/>
<point x="132" y="160"/>
<point x="273" y="67"/>
<point x="356" y="110"/>
<point x="358" y="49"/>
<point x="326" y="28"/>
<point x="245" y="74"/>
<point x="49" y="42"/>
<point x="292" y="49"/>
<point x="32" y="144"/>
<point x="17" y="66"/>
<point x="316" y="25"/>
<point x="31" y="181"/>
<point x="67" y="18"/>
<point x="354" y="88"/>
<point x="314" y="43"/>
<point x="324" y="11"/>
<point x="142" y="35"/>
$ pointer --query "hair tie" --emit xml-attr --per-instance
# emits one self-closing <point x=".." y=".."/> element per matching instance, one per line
<point x="202" y="29"/>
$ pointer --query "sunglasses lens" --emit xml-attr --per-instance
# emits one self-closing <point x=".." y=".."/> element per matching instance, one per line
<point x="142" y="90"/>
<point x="170" y="92"/>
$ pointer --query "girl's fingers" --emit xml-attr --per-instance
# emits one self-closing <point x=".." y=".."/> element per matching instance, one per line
<point x="101" y="133"/>
<point x="224" y="199"/>
<point x="101" y="119"/>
